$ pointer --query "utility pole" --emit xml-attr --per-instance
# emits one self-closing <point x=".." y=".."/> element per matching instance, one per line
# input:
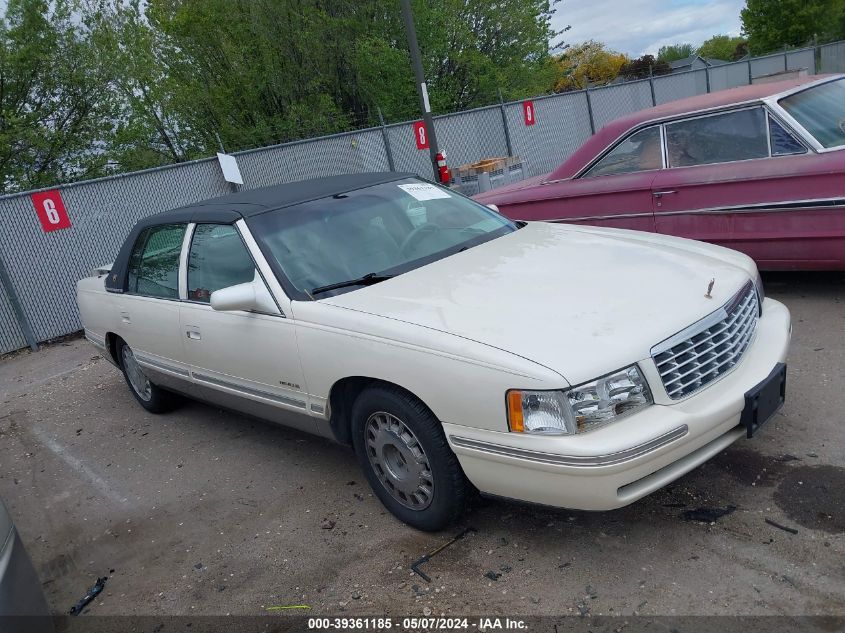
<point x="416" y="62"/>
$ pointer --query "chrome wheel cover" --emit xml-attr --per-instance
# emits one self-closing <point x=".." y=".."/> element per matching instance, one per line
<point x="399" y="461"/>
<point x="137" y="379"/>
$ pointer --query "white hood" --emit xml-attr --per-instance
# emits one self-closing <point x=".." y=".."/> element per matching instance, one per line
<point x="581" y="301"/>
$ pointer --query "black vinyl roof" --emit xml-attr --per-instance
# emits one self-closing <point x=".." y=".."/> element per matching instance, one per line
<point x="244" y="204"/>
<point x="231" y="208"/>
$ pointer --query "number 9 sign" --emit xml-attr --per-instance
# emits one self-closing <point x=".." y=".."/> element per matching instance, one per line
<point x="51" y="210"/>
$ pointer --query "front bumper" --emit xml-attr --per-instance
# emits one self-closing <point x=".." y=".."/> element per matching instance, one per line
<point x="620" y="463"/>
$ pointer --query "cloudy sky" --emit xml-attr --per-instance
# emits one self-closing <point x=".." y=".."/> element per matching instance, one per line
<point x="637" y="27"/>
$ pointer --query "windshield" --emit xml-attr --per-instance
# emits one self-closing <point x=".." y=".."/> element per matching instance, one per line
<point x="821" y="111"/>
<point x="386" y="229"/>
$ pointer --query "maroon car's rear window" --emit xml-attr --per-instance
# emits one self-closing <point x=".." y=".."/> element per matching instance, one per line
<point x="821" y="111"/>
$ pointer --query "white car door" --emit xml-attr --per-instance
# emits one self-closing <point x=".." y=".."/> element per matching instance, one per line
<point x="248" y="361"/>
<point x="148" y="311"/>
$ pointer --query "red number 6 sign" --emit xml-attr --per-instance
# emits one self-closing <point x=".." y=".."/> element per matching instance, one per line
<point x="51" y="210"/>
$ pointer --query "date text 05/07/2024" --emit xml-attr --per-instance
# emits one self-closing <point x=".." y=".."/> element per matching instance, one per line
<point x="417" y="623"/>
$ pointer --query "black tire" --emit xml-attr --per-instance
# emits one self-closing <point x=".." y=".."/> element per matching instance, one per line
<point x="386" y="414"/>
<point x="154" y="399"/>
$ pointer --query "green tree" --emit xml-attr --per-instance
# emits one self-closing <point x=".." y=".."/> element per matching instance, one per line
<point x="470" y="49"/>
<point x="89" y="87"/>
<point x="722" y="47"/>
<point x="55" y="101"/>
<point x="261" y="71"/>
<point x="772" y="24"/>
<point x="150" y="128"/>
<point x="675" y="52"/>
<point x="644" y="66"/>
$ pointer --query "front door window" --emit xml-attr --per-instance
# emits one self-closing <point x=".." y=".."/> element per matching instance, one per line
<point x="217" y="259"/>
<point x="641" y="151"/>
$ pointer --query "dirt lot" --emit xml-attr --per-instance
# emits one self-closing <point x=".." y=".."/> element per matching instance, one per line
<point x="205" y="512"/>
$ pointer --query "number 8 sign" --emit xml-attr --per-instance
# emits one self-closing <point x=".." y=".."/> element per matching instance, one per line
<point x="51" y="210"/>
<point x="420" y="135"/>
<point x="528" y="112"/>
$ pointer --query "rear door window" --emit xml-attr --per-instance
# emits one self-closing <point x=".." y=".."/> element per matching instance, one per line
<point x="154" y="263"/>
<point x="218" y="259"/>
<point x="719" y="138"/>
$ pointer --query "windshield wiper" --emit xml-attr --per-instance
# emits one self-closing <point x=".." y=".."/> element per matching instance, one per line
<point x="367" y="280"/>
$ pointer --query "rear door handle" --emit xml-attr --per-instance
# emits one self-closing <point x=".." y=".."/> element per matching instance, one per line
<point x="660" y="194"/>
<point x="194" y="334"/>
<point x="124" y="316"/>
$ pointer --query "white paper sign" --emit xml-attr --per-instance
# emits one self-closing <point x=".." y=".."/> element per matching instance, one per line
<point x="231" y="171"/>
<point x="424" y="90"/>
<point x="424" y="191"/>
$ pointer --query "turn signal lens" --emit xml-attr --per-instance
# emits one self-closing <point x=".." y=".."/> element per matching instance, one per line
<point x="542" y="412"/>
<point x="516" y="422"/>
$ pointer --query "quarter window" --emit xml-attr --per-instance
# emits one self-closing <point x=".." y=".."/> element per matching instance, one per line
<point x="721" y="138"/>
<point x="641" y="151"/>
<point x="218" y="259"/>
<point x="783" y="143"/>
<point x="154" y="264"/>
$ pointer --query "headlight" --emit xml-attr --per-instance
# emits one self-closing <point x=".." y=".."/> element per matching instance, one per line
<point x="580" y="409"/>
<point x="761" y="294"/>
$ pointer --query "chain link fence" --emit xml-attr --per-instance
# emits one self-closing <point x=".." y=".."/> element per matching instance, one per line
<point x="832" y="57"/>
<point x="39" y="270"/>
<point x="612" y="102"/>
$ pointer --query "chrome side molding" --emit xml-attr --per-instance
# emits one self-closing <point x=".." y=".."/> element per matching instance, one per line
<point x="291" y="402"/>
<point x="591" y="461"/>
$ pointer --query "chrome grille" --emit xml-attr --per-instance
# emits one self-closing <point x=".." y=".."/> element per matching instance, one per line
<point x="698" y="355"/>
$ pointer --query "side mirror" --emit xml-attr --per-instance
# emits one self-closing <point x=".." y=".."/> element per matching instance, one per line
<point x="251" y="296"/>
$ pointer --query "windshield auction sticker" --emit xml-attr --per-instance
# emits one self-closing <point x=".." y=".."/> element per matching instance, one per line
<point x="424" y="191"/>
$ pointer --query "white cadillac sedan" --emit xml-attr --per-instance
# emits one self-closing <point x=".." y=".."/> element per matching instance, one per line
<point x="571" y="366"/>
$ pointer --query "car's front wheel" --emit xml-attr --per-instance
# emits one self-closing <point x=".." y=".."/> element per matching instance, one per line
<point x="405" y="456"/>
<point x="150" y="396"/>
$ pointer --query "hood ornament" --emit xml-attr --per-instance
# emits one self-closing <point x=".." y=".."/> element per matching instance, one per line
<point x="710" y="288"/>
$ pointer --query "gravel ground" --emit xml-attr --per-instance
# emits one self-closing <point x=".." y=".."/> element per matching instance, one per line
<point x="205" y="512"/>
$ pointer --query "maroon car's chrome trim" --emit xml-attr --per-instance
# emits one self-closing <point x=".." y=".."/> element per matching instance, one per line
<point x="762" y="207"/>
<point x="618" y="216"/>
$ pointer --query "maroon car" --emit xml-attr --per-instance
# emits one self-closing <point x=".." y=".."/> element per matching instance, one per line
<point x="760" y="169"/>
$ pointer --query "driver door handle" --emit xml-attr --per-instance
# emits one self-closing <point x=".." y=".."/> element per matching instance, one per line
<point x="660" y="194"/>
<point x="194" y="334"/>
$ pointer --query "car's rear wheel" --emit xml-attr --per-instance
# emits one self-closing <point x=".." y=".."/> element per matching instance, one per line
<point x="153" y="398"/>
<point x="405" y="456"/>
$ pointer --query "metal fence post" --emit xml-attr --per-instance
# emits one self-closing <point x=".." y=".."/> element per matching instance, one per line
<point x="505" y="123"/>
<point x="651" y="85"/>
<point x="17" y="308"/>
<point x="785" y="61"/>
<point x="750" y="76"/>
<point x="590" y="111"/>
<point x="386" y="138"/>
<point x="707" y="77"/>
